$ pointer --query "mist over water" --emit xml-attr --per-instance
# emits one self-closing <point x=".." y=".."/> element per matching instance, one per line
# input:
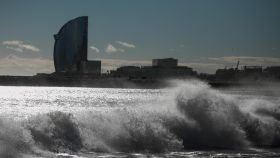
<point x="188" y="119"/>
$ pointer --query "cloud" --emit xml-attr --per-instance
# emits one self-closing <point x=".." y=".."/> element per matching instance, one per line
<point x="121" y="50"/>
<point x="14" y="65"/>
<point x="20" y="46"/>
<point x="110" y="49"/>
<point x="94" y="49"/>
<point x="125" y="44"/>
<point x="15" y="49"/>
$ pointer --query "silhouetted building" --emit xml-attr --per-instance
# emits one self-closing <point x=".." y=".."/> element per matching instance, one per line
<point x="252" y="69"/>
<point x="226" y="74"/>
<point x="161" y="68"/>
<point x="127" y="71"/>
<point x="248" y="73"/>
<point x="91" y="67"/>
<point x="167" y="62"/>
<point x="166" y="72"/>
<point x="273" y="71"/>
<point x="70" y="49"/>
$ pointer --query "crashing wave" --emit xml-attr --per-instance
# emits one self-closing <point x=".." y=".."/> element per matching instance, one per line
<point x="196" y="117"/>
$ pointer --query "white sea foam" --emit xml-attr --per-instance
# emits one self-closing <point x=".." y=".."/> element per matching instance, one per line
<point x="190" y="115"/>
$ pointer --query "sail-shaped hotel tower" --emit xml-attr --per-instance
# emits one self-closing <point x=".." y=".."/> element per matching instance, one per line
<point x="70" y="49"/>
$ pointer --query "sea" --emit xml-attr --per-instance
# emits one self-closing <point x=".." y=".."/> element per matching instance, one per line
<point x="186" y="119"/>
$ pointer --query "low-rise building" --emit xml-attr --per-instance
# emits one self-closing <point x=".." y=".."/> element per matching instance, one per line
<point x="161" y="68"/>
<point x="167" y="62"/>
<point x="91" y="67"/>
<point x="272" y="71"/>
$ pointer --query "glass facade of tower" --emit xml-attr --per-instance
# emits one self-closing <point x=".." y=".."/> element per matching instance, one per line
<point x="70" y="49"/>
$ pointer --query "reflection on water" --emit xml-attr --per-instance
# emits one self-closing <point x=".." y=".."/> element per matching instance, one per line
<point x="187" y="120"/>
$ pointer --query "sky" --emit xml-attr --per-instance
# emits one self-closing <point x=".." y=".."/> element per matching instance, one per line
<point x="202" y="34"/>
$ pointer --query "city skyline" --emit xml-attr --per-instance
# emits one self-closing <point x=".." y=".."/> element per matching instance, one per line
<point x="204" y="35"/>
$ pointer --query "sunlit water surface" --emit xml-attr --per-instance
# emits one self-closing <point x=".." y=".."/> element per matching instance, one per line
<point x="106" y="122"/>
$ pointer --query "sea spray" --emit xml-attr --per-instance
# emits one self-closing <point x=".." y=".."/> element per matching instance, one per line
<point x="127" y="130"/>
<point x="55" y="131"/>
<point x="223" y="121"/>
<point x="215" y="115"/>
<point x="189" y="115"/>
<point x="192" y="116"/>
<point x="14" y="139"/>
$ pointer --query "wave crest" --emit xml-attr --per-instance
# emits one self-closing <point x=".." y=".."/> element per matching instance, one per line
<point x="55" y="131"/>
<point x="191" y="115"/>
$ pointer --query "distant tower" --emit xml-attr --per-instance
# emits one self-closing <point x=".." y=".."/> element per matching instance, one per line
<point x="70" y="48"/>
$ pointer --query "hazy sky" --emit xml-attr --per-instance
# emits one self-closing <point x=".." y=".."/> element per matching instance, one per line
<point x="203" y="34"/>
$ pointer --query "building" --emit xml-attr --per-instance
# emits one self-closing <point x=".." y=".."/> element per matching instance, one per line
<point x="167" y="62"/>
<point x="70" y="49"/>
<point x="247" y="73"/>
<point x="272" y="71"/>
<point x="157" y="72"/>
<point x="91" y="67"/>
<point x="224" y="75"/>
<point x="127" y="71"/>
<point x="161" y="68"/>
<point x="252" y="69"/>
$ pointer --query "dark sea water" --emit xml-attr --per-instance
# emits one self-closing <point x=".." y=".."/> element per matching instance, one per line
<point x="189" y="119"/>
